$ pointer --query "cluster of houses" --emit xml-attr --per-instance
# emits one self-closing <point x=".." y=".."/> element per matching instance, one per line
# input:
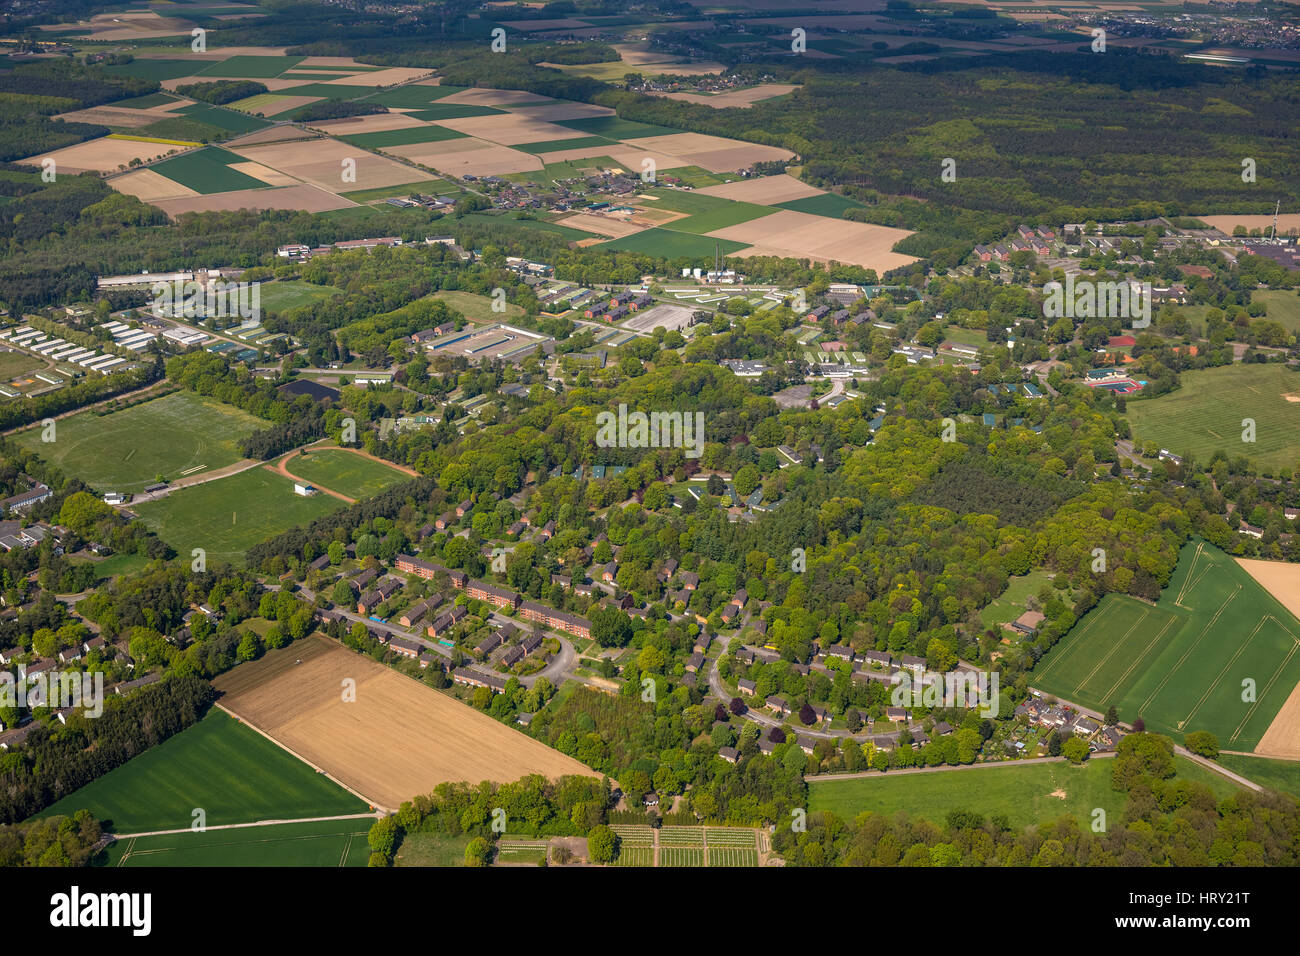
<point x="1037" y="241"/>
<point x="1068" y="721"/>
<point x="617" y="306"/>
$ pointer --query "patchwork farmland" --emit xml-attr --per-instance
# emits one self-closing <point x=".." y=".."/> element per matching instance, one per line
<point x="1182" y="663"/>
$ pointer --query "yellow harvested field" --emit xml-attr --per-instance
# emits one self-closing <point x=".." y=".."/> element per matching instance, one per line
<point x="389" y="77"/>
<point x="468" y="155"/>
<point x="560" y="112"/>
<point x="148" y="186"/>
<point x="715" y="153"/>
<point x="343" y="61"/>
<point x="397" y="739"/>
<point x="302" y="197"/>
<point x="764" y="190"/>
<point x="742" y="99"/>
<point x="510" y="129"/>
<point x="110" y="115"/>
<point x="373" y="123"/>
<point x="603" y="225"/>
<point x="1278" y="578"/>
<point x="1285" y="222"/>
<point x="1282" y="739"/>
<point x="103" y="155"/>
<point x="271" y="177"/>
<point x="127" y="25"/>
<point x="494" y="98"/>
<point x="803" y="236"/>
<point x="321" y="162"/>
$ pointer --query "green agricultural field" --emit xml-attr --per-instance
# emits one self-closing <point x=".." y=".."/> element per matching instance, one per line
<point x="259" y="101"/>
<point x="289" y="294"/>
<point x="578" y="142"/>
<point x="441" y="111"/>
<point x="672" y="244"/>
<point x="1205" y="415"/>
<point x="330" y="91"/>
<point x="350" y="474"/>
<point x="1283" y="306"/>
<point x="251" y="67"/>
<point x="402" y="137"/>
<point x="350" y="215"/>
<point x="207" y="171"/>
<point x="432" y="849"/>
<point x="178" y="434"/>
<point x="232" y="121"/>
<point x="534" y="225"/>
<point x="228" y="516"/>
<point x="424" y="187"/>
<point x="325" y="843"/>
<point x="477" y="307"/>
<point x="225" y="768"/>
<point x="705" y="213"/>
<point x="613" y="127"/>
<point x="1027" y="794"/>
<point x="698" y="177"/>
<point x="146" y="101"/>
<point x="827" y="204"/>
<point x="1280" y="775"/>
<point x="1180" y="664"/>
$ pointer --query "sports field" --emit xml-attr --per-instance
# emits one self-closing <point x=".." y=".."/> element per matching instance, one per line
<point x="177" y="435"/>
<point x="231" y="772"/>
<point x="227" y="516"/>
<point x="289" y="294"/>
<point x="1184" y="663"/>
<point x="1205" y="415"/>
<point x="323" y="843"/>
<point x="345" y="472"/>
<point x="1027" y="793"/>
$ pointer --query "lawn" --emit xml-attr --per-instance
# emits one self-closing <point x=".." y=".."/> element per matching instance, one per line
<point x="1283" y="306"/>
<point x="13" y="364"/>
<point x="207" y="171"/>
<point x="177" y="434"/>
<point x="345" y="472"/>
<point x="228" y="516"/>
<point x="224" y="767"/>
<point x="1205" y="415"/>
<point x="477" y="307"/>
<point x="1180" y="664"/>
<point x="1280" y="775"/>
<point x="671" y="244"/>
<point x="1010" y="604"/>
<point x="1027" y="794"/>
<point x="289" y="294"/>
<point x="327" y="843"/>
<point x="432" y="849"/>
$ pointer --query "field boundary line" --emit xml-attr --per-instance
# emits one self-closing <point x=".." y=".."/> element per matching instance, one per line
<point x="320" y="770"/>
<point x="1187" y="580"/>
<point x="1188" y="653"/>
<point x="1271" y="681"/>
<point x="247" y="826"/>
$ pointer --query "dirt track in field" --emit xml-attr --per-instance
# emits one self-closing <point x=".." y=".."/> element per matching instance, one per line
<point x="397" y="739"/>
